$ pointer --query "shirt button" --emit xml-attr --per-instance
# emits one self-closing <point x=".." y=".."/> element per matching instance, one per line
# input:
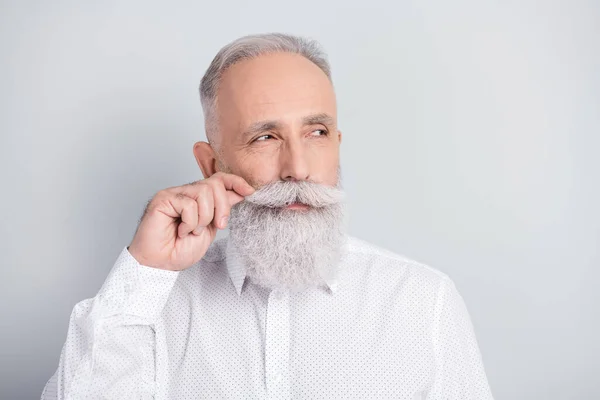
<point x="278" y="294"/>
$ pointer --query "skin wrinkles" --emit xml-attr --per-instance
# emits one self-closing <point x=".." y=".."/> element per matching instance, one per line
<point x="286" y="97"/>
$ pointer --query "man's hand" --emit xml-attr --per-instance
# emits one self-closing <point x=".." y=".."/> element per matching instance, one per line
<point x="181" y="222"/>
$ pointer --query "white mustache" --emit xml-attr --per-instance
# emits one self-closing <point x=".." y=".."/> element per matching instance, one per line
<point x="283" y="193"/>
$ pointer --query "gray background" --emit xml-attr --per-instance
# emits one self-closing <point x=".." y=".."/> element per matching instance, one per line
<point x="471" y="139"/>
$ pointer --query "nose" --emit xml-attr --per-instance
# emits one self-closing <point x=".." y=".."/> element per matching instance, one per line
<point x="294" y="165"/>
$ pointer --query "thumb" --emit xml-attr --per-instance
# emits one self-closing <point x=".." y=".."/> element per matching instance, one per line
<point x="233" y="198"/>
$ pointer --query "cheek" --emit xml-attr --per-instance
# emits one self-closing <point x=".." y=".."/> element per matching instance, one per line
<point x="325" y="159"/>
<point x="257" y="168"/>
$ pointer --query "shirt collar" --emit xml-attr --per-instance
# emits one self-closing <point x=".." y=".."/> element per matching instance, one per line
<point x="237" y="270"/>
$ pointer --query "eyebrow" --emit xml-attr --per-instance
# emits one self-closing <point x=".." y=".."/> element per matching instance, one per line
<point x="261" y="126"/>
<point x="271" y="125"/>
<point x="320" y="118"/>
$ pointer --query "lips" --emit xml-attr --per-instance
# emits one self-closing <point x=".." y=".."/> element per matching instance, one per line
<point x="297" y="206"/>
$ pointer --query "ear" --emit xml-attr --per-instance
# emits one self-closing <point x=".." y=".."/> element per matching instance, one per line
<point x="339" y="136"/>
<point x="206" y="158"/>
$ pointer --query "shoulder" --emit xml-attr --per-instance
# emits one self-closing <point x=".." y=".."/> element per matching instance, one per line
<point x="396" y="269"/>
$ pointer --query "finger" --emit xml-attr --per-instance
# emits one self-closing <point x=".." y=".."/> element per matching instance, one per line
<point x="206" y="207"/>
<point x="232" y="183"/>
<point x="235" y="183"/>
<point x="187" y="209"/>
<point x="233" y="198"/>
<point x="221" y="202"/>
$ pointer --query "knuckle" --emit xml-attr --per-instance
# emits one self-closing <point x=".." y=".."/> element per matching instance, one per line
<point x="213" y="180"/>
<point x="155" y="201"/>
<point x="161" y="194"/>
<point x="216" y="186"/>
<point x="219" y="177"/>
<point x="206" y="190"/>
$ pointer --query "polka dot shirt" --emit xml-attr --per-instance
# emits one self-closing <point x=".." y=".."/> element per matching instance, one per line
<point x="386" y="327"/>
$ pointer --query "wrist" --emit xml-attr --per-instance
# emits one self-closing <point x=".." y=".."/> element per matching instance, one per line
<point x="137" y="256"/>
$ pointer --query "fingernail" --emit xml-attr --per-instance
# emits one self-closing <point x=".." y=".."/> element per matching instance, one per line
<point x="224" y="222"/>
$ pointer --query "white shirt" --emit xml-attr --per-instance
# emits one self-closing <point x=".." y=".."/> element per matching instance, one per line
<point x="387" y="327"/>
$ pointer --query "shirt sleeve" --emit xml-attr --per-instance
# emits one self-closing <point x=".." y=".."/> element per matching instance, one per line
<point x="111" y="347"/>
<point x="459" y="372"/>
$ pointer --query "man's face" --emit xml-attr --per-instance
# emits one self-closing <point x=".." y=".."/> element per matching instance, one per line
<point x="277" y="120"/>
<point x="277" y="129"/>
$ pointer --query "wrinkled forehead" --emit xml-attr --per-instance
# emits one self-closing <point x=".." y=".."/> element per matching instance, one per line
<point x="280" y="86"/>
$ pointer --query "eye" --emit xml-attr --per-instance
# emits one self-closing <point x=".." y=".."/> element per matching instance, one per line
<point x="319" y="132"/>
<point x="262" y="138"/>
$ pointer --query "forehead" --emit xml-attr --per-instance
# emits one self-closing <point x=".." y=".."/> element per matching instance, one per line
<point x="274" y="86"/>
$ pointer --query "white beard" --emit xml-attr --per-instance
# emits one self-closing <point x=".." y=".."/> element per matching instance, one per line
<point x="291" y="249"/>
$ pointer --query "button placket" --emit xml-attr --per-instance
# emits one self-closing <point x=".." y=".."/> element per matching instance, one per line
<point x="277" y="346"/>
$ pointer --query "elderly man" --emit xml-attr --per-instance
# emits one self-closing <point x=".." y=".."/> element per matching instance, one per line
<point x="287" y="305"/>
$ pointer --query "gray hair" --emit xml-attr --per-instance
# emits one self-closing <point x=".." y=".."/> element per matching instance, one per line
<point x="249" y="47"/>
